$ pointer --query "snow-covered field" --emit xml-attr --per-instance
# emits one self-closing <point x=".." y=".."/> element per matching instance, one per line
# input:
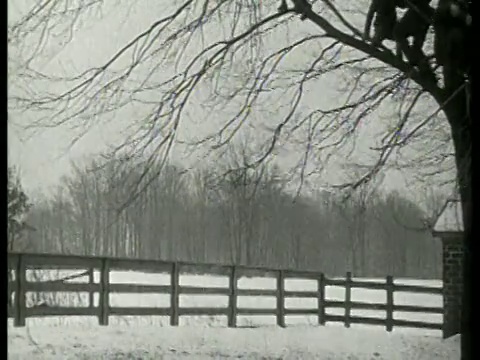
<point x="206" y="337"/>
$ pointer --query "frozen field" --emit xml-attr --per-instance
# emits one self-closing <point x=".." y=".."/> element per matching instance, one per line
<point x="206" y="337"/>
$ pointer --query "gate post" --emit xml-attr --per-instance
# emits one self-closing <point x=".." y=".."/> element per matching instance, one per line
<point x="449" y="228"/>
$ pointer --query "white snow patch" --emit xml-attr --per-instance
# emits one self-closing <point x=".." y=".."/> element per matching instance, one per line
<point x="153" y="342"/>
<point x="450" y="220"/>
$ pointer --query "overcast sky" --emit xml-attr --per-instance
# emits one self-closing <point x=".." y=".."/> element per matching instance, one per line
<point x="45" y="157"/>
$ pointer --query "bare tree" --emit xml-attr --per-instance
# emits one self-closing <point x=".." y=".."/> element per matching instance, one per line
<point x="18" y="206"/>
<point x="233" y="55"/>
<point x="247" y="218"/>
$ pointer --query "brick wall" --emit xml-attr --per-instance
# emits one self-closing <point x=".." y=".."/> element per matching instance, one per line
<point x="452" y="284"/>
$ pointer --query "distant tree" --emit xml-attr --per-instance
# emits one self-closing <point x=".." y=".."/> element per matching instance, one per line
<point x="18" y="206"/>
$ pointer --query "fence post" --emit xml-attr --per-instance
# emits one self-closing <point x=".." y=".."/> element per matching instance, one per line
<point x="91" y="281"/>
<point x="232" y="299"/>
<point x="348" y="298"/>
<point x="104" y="295"/>
<point x="389" y="316"/>
<point x="321" y="300"/>
<point x="281" y="299"/>
<point x="20" y="303"/>
<point x="174" y="295"/>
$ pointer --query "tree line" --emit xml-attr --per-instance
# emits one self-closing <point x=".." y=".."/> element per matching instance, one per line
<point x="238" y="216"/>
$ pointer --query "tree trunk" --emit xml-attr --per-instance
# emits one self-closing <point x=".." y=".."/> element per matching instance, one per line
<point x="457" y="112"/>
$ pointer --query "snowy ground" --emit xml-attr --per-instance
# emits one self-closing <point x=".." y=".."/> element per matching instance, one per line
<point x="205" y="337"/>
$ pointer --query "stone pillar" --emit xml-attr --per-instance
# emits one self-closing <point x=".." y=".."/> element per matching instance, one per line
<point x="452" y="284"/>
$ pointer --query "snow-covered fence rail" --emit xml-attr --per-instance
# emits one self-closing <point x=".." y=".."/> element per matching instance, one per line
<point x="20" y="285"/>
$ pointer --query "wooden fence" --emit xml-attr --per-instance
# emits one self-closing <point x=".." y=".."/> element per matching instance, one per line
<point x="19" y="286"/>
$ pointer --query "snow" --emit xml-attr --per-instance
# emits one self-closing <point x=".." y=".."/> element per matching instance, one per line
<point x="450" y="219"/>
<point x="153" y="342"/>
<point x="206" y="337"/>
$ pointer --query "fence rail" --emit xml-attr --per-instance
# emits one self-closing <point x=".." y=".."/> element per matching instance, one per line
<point x="19" y="286"/>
